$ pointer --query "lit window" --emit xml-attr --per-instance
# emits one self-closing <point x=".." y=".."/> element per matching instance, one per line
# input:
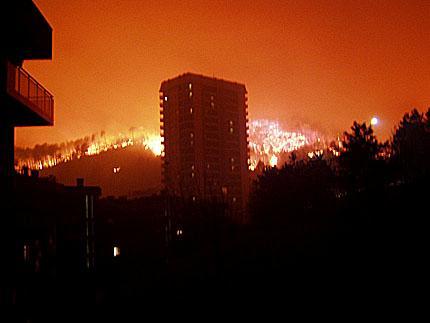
<point x="232" y="167"/>
<point x="224" y="190"/>
<point x="191" y="142"/>
<point x="192" y="167"/>
<point x="212" y="105"/>
<point x="116" y="170"/>
<point x="190" y="86"/>
<point x="232" y="160"/>
<point x="191" y="110"/>
<point x="231" y="130"/>
<point x="212" y="97"/>
<point x="179" y="232"/>
<point x="192" y="174"/>
<point x="231" y="123"/>
<point x="116" y="251"/>
<point x="165" y="98"/>
<point x="191" y="135"/>
<point x="208" y="166"/>
<point x="194" y="198"/>
<point x="234" y="200"/>
<point x="191" y="94"/>
<point x="26" y="253"/>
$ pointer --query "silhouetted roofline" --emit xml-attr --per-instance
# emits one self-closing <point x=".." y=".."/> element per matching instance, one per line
<point x="24" y="31"/>
<point x="204" y="77"/>
<point x="41" y="15"/>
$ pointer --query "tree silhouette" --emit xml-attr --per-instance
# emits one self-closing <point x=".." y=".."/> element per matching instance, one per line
<point x="283" y="196"/>
<point x="411" y="146"/>
<point x="362" y="158"/>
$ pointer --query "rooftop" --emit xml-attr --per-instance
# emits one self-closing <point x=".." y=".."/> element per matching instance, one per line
<point x="189" y="75"/>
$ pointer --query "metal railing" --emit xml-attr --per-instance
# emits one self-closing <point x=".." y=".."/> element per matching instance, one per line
<point x="23" y="84"/>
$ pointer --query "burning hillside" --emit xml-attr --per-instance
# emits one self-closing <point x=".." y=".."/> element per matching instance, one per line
<point x="46" y="156"/>
<point x="129" y="163"/>
<point x="267" y="140"/>
<point x="130" y="171"/>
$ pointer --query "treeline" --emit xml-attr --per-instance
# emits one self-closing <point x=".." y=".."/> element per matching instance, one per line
<point x="365" y="165"/>
<point x="41" y="151"/>
<point x="358" y="218"/>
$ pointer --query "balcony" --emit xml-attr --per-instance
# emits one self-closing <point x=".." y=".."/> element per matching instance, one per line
<point x="32" y="104"/>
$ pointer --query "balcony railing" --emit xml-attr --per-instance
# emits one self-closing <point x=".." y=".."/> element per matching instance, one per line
<point x="30" y="91"/>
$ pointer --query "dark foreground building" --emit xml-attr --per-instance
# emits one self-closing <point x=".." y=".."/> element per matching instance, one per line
<point x="203" y="123"/>
<point x="50" y="239"/>
<point x="47" y="229"/>
<point x="24" y="34"/>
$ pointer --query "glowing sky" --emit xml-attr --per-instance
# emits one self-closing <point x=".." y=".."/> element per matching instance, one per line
<point x="326" y="63"/>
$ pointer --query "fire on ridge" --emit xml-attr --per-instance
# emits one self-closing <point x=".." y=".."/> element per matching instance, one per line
<point x="268" y="140"/>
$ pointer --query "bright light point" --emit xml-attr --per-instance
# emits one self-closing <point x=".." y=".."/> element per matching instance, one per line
<point x="116" y="251"/>
<point x="154" y="144"/>
<point x="273" y="161"/>
<point x="374" y="121"/>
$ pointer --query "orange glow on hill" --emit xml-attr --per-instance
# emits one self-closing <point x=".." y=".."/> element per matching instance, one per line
<point x="267" y="141"/>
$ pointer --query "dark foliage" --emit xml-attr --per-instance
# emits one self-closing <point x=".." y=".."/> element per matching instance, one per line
<point x="285" y="195"/>
<point x="362" y="163"/>
<point x="355" y="224"/>
<point x="411" y="146"/>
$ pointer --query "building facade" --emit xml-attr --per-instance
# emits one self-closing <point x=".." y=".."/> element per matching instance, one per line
<point x="203" y="123"/>
<point x="25" y="35"/>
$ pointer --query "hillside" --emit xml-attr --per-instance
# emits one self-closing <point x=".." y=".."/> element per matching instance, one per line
<point x="131" y="171"/>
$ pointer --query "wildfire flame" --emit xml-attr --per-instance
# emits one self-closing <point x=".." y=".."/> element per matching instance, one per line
<point x="267" y="141"/>
<point x="95" y="146"/>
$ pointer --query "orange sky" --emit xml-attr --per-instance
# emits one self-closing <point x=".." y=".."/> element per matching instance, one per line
<point x="326" y="63"/>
